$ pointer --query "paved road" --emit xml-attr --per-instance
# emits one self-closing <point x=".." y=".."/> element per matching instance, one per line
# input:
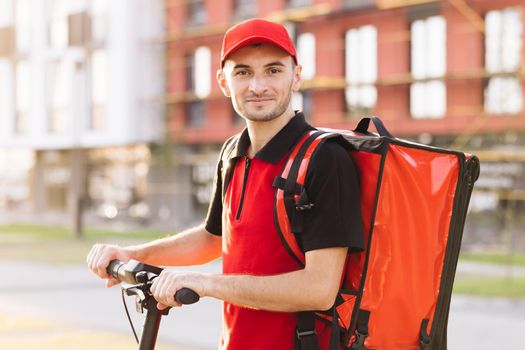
<point x="74" y="295"/>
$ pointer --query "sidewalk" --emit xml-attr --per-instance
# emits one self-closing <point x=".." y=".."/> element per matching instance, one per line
<point x="57" y="295"/>
<point x="492" y="270"/>
<point x="25" y="333"/>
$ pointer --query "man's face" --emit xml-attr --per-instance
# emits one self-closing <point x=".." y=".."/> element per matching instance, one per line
<point x="260" y="80"/>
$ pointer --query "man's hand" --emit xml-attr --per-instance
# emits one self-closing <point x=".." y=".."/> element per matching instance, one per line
<point x="168" y="283"/>
<point x="99" y="257"/>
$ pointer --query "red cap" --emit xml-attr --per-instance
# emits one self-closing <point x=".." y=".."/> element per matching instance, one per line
<point x="256" y="31"/>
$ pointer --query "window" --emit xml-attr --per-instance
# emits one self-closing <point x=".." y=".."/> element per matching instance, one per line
<point x="23" y="96"/>
<point x="59" y="75"/>
<point x="58" y="24"/>
<point x="302" y="101"/>
<point x="198" y="72"/>
<point x="202" y="73"/>
<point x="6" y="13"/>
<point x="99" y="20"/>
<point x="99" y="89"/>
<point x="297" y="3"/>
<point x="306" y="54"/>
<point x="361" y="69"/>
<point x="190" y="71"/>
<point x="6" y="88"/>
<point x="428" y="64"/>
<point x="244" y="8"/>
<point x="357" y="4"/>
<point x="195" y="117"/>
<point x="198" y="83"/>
<point x="23" y="27"/>
<point x="503" y="43"/>
<point x="196" y="12"/>
<point x="236" y="118"/>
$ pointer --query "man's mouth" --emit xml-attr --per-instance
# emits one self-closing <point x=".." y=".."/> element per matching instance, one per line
<point x="260" y="99"/>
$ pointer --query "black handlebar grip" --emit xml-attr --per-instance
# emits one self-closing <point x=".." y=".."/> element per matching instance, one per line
<point x="186" y="296"/>
<point x="113" y="268"/>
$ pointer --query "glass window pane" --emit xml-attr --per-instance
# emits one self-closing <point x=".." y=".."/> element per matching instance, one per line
<point x="6" y="13"/>
<point x="190" y="71"/>
<point x="75" y="6"/>
<point x="492" y="96"/>
<point x="352" y="96"/>
<point x="6" y="88"/>
<point x="202" y="72"/>
<point x="492" y="42"/>
<point x="435" y="98"/>
<point x="503" y="95"/>
<point x="352" y="56"/>
<point x="436" y="46"/>
<point x="23" y="96"/>
<point x="59" y="78"/>
<point x="512" y="39"/>
<point x="297" y="101"/>
<point x="23" y="25"/>
<point x="99" y="88"/>
<point x="368" y="61"/>
<point x="58" y="24"/>
<point x="428" y="47"/>
<point x="197" y="12"/>
<point x="245" y="8"/>
<point x="368" y="96"/>
<point x="417" y="51"/>
<point x="417" y="100"/>
<point x="503" y="40"/>
<point x="512" y="95"/>
<point x="297" y="3"/>
<point x="361" y="69"/>
<point x="195" y="114"/>
<point x="306" y="54"/>
<point x="99" y="22"/>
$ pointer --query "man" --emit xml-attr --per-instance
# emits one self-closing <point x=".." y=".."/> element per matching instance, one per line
<point x="262" y="286"/>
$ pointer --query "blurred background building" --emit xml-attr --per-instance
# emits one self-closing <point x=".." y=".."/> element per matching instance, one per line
<point x="79" y="88"/>
<point x="130" y="86"/>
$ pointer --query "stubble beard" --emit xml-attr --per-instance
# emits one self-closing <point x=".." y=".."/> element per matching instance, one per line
<point x="266" y="116"/>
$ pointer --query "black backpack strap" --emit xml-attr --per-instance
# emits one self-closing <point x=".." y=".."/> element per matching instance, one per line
<point x="227" y="163"/>
<point x="335" y="334"/>
<point x="424" y="337"/>
<point x="306" y="336"/>
<point x="295" y="195"/>
<point x="362" y="126"/>
<point x="361" y="331"/>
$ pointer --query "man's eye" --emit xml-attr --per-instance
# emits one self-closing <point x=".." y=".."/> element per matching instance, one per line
<point x="242" y="73"/>
<point x="274" y="70"/>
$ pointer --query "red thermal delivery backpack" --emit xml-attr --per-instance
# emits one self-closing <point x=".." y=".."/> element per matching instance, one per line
<point x="414" y="199"/>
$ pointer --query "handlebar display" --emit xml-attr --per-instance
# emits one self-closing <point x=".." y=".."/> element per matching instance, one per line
<point x="134" y="272"/>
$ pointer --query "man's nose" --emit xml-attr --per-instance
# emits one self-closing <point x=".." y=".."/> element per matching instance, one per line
<point x="258" y="84"/>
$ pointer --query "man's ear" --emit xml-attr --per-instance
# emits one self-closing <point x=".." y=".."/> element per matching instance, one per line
<point x="297" y="78"/>
<point x="221" y="79"/>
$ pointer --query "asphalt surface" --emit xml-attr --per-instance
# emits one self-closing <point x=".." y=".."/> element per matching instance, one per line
<point x="72" y="294"/>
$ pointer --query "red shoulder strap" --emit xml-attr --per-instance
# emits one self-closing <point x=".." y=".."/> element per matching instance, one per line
<point x="293" y="175"/>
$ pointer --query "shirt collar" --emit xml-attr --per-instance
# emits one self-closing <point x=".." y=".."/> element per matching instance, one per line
<point x="277" y="147"/>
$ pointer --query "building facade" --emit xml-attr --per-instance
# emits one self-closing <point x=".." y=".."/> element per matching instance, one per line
<point x="444" y="73"/>
<point x="80" y="98"/>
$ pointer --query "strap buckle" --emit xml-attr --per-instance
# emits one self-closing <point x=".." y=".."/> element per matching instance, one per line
<point x="359" y="342"/>
<point x="301" y="334"/>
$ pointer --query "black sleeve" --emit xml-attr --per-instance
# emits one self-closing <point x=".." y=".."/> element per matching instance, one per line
<point x="213" y="222"/>
<point x="332" y="184"/>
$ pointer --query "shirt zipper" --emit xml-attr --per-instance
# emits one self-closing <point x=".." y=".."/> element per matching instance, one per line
<point x="245" y="180"/>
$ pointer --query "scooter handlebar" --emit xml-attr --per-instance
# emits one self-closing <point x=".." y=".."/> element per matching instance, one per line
<point x="127" y="273"/>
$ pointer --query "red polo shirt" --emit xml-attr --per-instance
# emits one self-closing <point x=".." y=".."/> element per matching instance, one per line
<point x="251" y="243"/>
